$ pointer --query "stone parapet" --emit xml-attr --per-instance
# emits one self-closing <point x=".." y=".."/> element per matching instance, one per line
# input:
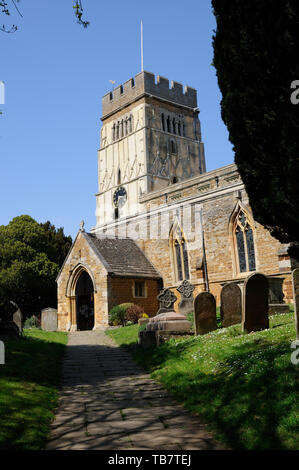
<point x="144" y="84"/>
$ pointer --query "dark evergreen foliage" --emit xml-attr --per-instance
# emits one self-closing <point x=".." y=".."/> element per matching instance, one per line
<point x="256" y="50"/>
<point x="30" y="257"/>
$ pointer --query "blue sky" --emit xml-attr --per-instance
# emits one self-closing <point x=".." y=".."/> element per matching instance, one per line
<point x="55" y="74"/>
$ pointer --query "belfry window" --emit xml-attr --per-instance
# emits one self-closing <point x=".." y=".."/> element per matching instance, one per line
<point x="180" y="254"/>
<point x="163" y="122"/>
<point x="244" y="243"/>
<point x="173" y="126"/>
<point x="168" y="123"/>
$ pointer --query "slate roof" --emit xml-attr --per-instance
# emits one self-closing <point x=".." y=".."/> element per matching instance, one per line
<point x="122" y="257"/>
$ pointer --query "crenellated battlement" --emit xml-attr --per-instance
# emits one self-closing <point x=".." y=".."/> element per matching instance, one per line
<point x="144" y="84"/>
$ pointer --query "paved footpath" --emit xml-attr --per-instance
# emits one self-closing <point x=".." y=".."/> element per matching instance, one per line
<point x="107" y="402"/>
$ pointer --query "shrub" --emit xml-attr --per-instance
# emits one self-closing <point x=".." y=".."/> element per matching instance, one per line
<point x="134" y="313"/>
<point x="32" y="322"/>
<point x="118" y="314"/>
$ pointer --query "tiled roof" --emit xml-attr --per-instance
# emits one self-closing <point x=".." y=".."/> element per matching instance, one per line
<point x="122" y="256"/>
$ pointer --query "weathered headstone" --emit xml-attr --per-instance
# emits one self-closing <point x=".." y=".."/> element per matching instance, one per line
<point x="186" y="304"/>
<point x="166" y="300"/>
<point x="231" y="304"/>
<point x="49" y="319"/>
<point x="295" y="279"/>
<point x="276" y="296"/>
<point x="204" y="313"/>
<point x="255" y="303"/>
<point x="17" y="319"/>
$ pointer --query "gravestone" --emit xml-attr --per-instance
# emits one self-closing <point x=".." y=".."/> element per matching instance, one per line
<point x="204" y="313"/>
<point x="295" y="279"/>
<point x="276" y="296"/>
<point x="17" y="319"/>
<point x="49" y="319"/>
<point x="231" y="304"/>
<point x="255" y="303"/>
<point x="166" y="300"/>
<point x="186" y="304"/>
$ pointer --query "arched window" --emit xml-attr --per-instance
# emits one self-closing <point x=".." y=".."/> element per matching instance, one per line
<point x="121" y="133"/>
<point x="244" y="242"/>
<point x="131" y="123"/>
<point x="113" y="132"/>
<point x="168" y="123"/>
<point x="174" y="126"/>
<point x="179" y="253"/>
<point x="117" y="130"/>
<point x="172" y="147"/>
<point x="163" y="122"/>
<point x="119" y="177"/>
<point x="179" y="128"/>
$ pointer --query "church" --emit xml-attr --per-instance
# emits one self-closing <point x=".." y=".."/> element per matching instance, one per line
<point x="161" y="218"/>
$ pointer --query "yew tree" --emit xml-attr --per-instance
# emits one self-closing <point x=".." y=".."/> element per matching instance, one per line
<point x="256" y="56"/>
<point x="30" y="257"/>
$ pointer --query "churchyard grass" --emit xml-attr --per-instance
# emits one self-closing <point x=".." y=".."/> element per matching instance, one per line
<point x="243" y="386"/>
<point x="28" y="388"/>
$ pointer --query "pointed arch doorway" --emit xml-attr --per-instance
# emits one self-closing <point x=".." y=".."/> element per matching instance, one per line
<point x="84" y="293"/>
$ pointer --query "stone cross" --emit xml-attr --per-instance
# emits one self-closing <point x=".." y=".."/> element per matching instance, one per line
<point x="295" y="279"/>
<point x="231" y="304"/>
<point x="204" y="313"/>
<point x="255" y="303"/>
<point x="186" y="304"/>
<point x="166" y="299"/>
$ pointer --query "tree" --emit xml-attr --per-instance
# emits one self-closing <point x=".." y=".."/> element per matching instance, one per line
<point x="5" y="8"/>
<point x="256" y="48"/>
<point x="30" y="257"/>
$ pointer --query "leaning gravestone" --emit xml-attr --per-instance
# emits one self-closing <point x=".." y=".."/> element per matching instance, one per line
<point x="49" y="319"/>
<point x="204" y="313"/>
<point x="186" y="304"/>
<point x="295" y="279"/>
<point x="17" y="319"/>
<point x="255" y="303"/>
<point x="231" y="304"/>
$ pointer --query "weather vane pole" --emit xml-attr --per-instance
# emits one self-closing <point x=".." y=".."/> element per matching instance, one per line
<point x="141" y="46"/>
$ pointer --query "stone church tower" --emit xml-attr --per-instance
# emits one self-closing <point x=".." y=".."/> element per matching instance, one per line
<point x="150" y="139"/>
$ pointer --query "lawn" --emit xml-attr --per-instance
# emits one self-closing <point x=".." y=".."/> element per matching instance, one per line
<point x="243" y="386"/>
<point x="28" y="388"/>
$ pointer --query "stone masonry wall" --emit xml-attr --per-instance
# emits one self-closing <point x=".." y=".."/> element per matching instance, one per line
<point x="121" y="290"/>
<point x="81" y="256"/>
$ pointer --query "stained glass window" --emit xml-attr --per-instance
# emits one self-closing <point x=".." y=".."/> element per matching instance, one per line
<point x="244" y="243"/>
<point x="250" y="249"/>
<point x="241" y="250"/>
<point x="178" y="260"/>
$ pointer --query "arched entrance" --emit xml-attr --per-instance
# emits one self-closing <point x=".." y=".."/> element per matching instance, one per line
<point x="84" y="302"/>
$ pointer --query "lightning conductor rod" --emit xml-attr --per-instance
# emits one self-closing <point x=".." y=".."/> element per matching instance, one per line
<point x="141" y="46"/>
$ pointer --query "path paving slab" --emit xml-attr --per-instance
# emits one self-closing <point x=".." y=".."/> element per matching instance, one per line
<point x="108" y="402"/>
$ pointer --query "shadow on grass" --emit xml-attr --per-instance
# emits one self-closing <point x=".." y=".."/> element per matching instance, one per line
<point x="28" y="388"/>
<point x="249" y="402"/>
